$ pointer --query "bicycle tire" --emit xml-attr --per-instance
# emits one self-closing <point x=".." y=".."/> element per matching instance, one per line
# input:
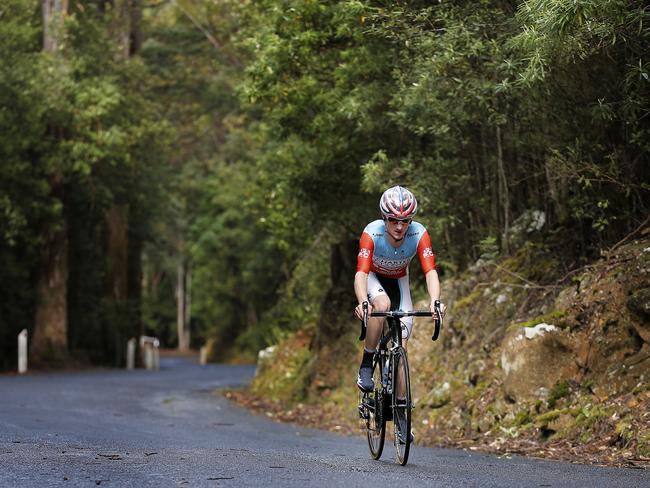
<point x="376" y="421"/>
<point x="402" y="449"/>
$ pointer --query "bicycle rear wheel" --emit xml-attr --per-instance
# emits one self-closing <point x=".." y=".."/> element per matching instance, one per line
<point x="376" y="420"/>
<point x="402" y="409"/>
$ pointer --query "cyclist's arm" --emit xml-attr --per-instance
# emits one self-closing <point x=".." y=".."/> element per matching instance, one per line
<point x="428" y="261"/>
<point x="361" y="286"/>
<point x="433" y="285"/>
<point x="426" y="254"/>
<point x="361" y="291"/>
<point x="364" y="263"/>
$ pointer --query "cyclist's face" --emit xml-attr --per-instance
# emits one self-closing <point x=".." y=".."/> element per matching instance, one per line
<point x="397" y="228"/>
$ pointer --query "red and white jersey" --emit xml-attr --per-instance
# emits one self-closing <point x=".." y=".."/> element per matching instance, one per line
<point x="377" y="255"/>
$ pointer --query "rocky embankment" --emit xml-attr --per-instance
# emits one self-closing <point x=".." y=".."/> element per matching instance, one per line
<point x="529" y="362"/>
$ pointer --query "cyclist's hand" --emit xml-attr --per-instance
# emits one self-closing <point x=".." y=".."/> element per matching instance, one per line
<point x="358" y="311"/>
<point x="443" y="310"/>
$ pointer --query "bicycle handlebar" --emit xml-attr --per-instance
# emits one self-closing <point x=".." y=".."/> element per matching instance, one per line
<point x="400" y="313"/>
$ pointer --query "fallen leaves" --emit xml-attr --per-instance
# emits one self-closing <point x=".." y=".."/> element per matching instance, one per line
<point x="598" y="451"/>
<point x="319" y="416"/>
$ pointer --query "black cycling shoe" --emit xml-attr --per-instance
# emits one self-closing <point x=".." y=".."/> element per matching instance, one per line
<point x="401" y="426"/>
<point x="364" y="380"/>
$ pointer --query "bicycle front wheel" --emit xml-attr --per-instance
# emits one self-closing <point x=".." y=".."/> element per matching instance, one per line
<point x="376" y="420"/>
<point x="402" y="407"/>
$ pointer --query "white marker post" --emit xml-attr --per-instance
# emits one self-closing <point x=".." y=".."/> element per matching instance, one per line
<point x="22" y="352"/>
<point x="150" y="346"/>
<point x="130" y="353"/>
<point x="156" y="354"/>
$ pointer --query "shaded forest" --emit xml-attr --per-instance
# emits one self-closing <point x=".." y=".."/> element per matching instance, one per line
<point x="201" y="170"/>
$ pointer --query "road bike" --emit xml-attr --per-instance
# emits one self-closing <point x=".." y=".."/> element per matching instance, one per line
<point x="391" y="396"/>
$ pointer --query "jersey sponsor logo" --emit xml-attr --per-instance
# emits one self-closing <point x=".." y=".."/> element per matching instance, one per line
<point x="390" y="273"/>
<point x="427" y="253"/>
<point x="390" y="264"/>
<point x="364" y="253"/>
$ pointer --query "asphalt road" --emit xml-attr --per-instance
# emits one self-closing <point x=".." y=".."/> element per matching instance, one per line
<point x="171" y="428"/>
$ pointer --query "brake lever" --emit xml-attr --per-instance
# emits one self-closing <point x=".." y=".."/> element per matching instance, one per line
<point x="437" y="321"/>
<point x="364" y="322"/>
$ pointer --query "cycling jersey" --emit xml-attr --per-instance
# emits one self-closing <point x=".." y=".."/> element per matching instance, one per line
<point x="377" y="255"/>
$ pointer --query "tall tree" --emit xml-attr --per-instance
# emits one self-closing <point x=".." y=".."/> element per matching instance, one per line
<point x="123" y="255"/>
<point x="50" y="342"/>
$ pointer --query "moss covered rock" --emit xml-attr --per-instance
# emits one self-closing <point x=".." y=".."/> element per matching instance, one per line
<point x="534" y="359"/>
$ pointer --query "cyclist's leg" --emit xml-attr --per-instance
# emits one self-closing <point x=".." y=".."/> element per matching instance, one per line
<point x="405" y="303"/>
<point x="381" y="303"/>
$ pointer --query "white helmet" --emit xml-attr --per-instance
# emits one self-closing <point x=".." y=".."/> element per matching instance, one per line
<point x="399" y="203"/>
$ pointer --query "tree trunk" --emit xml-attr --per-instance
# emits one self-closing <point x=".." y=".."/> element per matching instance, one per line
<point x="122" y="29"/>
<point x="188" y="302"/>
<point x="492" y="183"/>
<point x="339" y="302"/>
<point x="117" y="220"/>
<point x="117" y="318"/>
<point x="50" y="343"/>
<point x="54" y="12"/>
<point x="557" y="186"/>
<point x="503" y="191"/>
<point x="182" y="313"/>
<point x="136" y="284"/>
<point x="136" y="30"/>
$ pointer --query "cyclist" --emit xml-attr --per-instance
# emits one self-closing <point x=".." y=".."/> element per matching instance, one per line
<point x="386" y="248"/>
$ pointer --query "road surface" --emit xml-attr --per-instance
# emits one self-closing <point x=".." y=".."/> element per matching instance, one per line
<point x="172" y="428"/>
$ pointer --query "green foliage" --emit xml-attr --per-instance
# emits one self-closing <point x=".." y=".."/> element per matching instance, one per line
<point x="286" y="375"/>
<point x="338" y="101"/>
<point x="523" y="417"/>
<point x="554" y="317"/>
<point x="547" y="417"/>
<point x="299" y="300"/>
<point x="559" y="390"/>
<point x="247" y="138"/>
<point x="79" y="118"/>
<point x="488" y="248"/>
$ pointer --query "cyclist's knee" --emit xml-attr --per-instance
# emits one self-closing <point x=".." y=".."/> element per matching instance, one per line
<point x="381" y="304"/>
